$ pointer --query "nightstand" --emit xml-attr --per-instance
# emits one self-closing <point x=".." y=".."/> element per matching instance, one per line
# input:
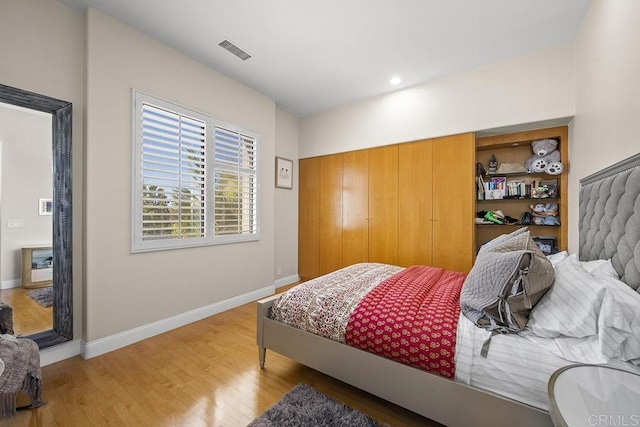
<point x="594" y="395"/>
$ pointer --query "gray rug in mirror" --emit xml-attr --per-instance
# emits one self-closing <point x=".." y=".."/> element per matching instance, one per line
<point x="305" y="406"/>
<point x="43" y="296"/>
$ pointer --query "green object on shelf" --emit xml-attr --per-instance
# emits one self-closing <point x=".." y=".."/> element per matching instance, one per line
<point x="495" y="216"/>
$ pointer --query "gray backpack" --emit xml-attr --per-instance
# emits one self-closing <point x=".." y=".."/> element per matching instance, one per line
<point x="509" y="277"/>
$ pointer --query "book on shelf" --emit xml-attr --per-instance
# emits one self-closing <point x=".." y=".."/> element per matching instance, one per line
<point x="500" y="187"/>
<point x="496" y="188"/>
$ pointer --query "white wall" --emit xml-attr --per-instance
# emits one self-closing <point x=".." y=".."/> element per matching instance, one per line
<point x="123" y="290"/>
<point x="605" y="127"/>
<point x="286" y="203"/>
<point x="42" y="51"/>
<point x="530" y="88"/>
<point x="27" y="175"/>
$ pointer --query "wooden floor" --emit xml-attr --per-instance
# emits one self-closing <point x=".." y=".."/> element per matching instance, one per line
<point x="202" y="374"/>
<point x="28" y="316"/>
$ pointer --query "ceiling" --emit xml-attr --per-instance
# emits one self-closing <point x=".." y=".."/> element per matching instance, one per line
<point x="314" y="55"/>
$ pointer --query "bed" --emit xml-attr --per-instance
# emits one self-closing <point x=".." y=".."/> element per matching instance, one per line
<point x="609" y="221"/>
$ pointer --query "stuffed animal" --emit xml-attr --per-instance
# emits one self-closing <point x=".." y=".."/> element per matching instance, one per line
<point x="545" y="158"/>
<point x="545" y="214"/>
<point x="541" y="192"/>
<point x="542" y="147"/>
<point x="545" y="209"/>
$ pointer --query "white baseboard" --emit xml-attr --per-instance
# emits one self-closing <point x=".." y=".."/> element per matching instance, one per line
<point x="123" y="339"/>
<point x="10" y="284"/>
<point x="60" y="352"/>
<point x="286" y="281"/>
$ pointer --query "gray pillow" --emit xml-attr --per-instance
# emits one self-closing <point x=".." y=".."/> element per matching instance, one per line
<point x="509" y="277"/>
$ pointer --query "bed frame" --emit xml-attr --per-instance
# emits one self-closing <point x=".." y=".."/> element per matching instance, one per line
<point x="446" y="401"/>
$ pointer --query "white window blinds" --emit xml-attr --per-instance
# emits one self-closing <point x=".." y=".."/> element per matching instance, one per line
<point x="173" y="175"/>
<point x="192" y="186"/>
<point x="235" y="188"/>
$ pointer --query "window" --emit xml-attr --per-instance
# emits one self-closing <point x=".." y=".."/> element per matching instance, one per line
<point x="195" y="178"/>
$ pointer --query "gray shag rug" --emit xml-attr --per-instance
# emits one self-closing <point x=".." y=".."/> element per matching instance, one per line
<point x="305" y="406"/>
<point x="43" y="296"/>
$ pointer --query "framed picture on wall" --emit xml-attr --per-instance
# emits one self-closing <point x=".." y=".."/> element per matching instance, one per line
<point x="284" y="173"/>
<point x="45" y="206"/>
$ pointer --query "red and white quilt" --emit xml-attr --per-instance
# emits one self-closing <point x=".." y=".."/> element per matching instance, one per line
<point x="408" y="315"/>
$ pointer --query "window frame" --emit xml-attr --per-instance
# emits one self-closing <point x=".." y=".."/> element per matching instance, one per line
<point x="138" y="244"/>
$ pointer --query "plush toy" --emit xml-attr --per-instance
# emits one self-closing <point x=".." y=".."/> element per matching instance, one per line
<point x="545" y="158"/>
<point x="545" y="214"/>
<point x="545" y="209"/>
<point x="541" y="192"/>
<point x="543" y="147"/>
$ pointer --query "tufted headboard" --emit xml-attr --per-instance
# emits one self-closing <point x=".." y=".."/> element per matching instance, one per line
<point x="610" y="218"/>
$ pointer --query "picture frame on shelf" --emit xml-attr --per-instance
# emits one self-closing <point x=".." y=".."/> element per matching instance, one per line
<point x="547" y="245"/>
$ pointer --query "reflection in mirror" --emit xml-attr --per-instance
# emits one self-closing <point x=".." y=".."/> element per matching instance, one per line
<point x="26" y="189"/>
<point x="55" y="257"/>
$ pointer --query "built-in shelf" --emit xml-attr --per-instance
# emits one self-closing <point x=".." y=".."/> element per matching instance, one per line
<point x="517" y="199"/>
<point x="516" y="225"/>
<point x="516" y="148"/>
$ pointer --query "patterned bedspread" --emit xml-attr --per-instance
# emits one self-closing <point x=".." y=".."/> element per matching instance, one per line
<point x="323" y="305"/>
<point x="412" y="318"/>
<point x="409" y="315"/>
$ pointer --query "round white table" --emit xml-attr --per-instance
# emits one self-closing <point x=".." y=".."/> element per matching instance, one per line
<point x="594" y="395"/>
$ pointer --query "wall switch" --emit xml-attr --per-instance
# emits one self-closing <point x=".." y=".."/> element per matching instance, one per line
<point x="279" y="271"/>
<point x="15" y="223"/>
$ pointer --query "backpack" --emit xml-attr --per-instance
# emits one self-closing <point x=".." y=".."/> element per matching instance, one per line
<point x="508" y="279"/>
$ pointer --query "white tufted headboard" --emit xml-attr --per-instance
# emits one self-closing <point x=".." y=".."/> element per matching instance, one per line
<point x="610" y="218"/>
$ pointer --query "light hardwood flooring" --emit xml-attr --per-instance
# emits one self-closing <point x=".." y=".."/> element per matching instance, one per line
<point x="203" y="374"/>
<point x="28" y="316"/>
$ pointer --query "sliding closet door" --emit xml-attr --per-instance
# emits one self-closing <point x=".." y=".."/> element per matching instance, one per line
<point x="308" y="218"/>
<point x="383" y="204"/>
<point x="330" y="213"/>
<point x="453" y="201"/>
<point x="355" y="191"/>
<point x="414" y="203"/>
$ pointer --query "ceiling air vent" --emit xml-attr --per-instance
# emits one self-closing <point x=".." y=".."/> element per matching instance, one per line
<point x="234" y="49"/>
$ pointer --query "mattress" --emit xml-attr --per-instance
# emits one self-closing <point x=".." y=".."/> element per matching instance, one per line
<point x="515" y="367"/>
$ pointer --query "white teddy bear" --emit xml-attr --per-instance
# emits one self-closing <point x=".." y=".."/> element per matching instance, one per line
<point x="545" y="158"/>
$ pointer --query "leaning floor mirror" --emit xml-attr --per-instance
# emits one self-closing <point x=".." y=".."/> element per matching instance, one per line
<point x="44" y="263"/>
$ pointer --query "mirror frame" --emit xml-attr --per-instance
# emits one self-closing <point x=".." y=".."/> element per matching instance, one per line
<point x="62" y="216"/>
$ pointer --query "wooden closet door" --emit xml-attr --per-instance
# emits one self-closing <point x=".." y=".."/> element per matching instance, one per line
<point x="355" y="205"/>
<point x="330" y="178"/>
<point x="414" y="203"/>
<point x="383" y="204"/>
<point x="308" y="218"/>
<point x="453" y="201"/>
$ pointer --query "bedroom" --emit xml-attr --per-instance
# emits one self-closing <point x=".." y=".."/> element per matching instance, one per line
<point x="599" y="88"/>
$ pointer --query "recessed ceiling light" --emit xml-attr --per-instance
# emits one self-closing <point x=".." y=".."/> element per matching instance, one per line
<point x="395" y="80"/>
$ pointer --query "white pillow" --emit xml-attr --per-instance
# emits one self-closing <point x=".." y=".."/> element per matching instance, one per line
<point x="589" y="319"/>
<point x="601" y="268"/>
<point x="557" y="258"/>
<point x="619" y="322"/>
<point x="571" y="307"/>
<point x="591" y="265"/>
